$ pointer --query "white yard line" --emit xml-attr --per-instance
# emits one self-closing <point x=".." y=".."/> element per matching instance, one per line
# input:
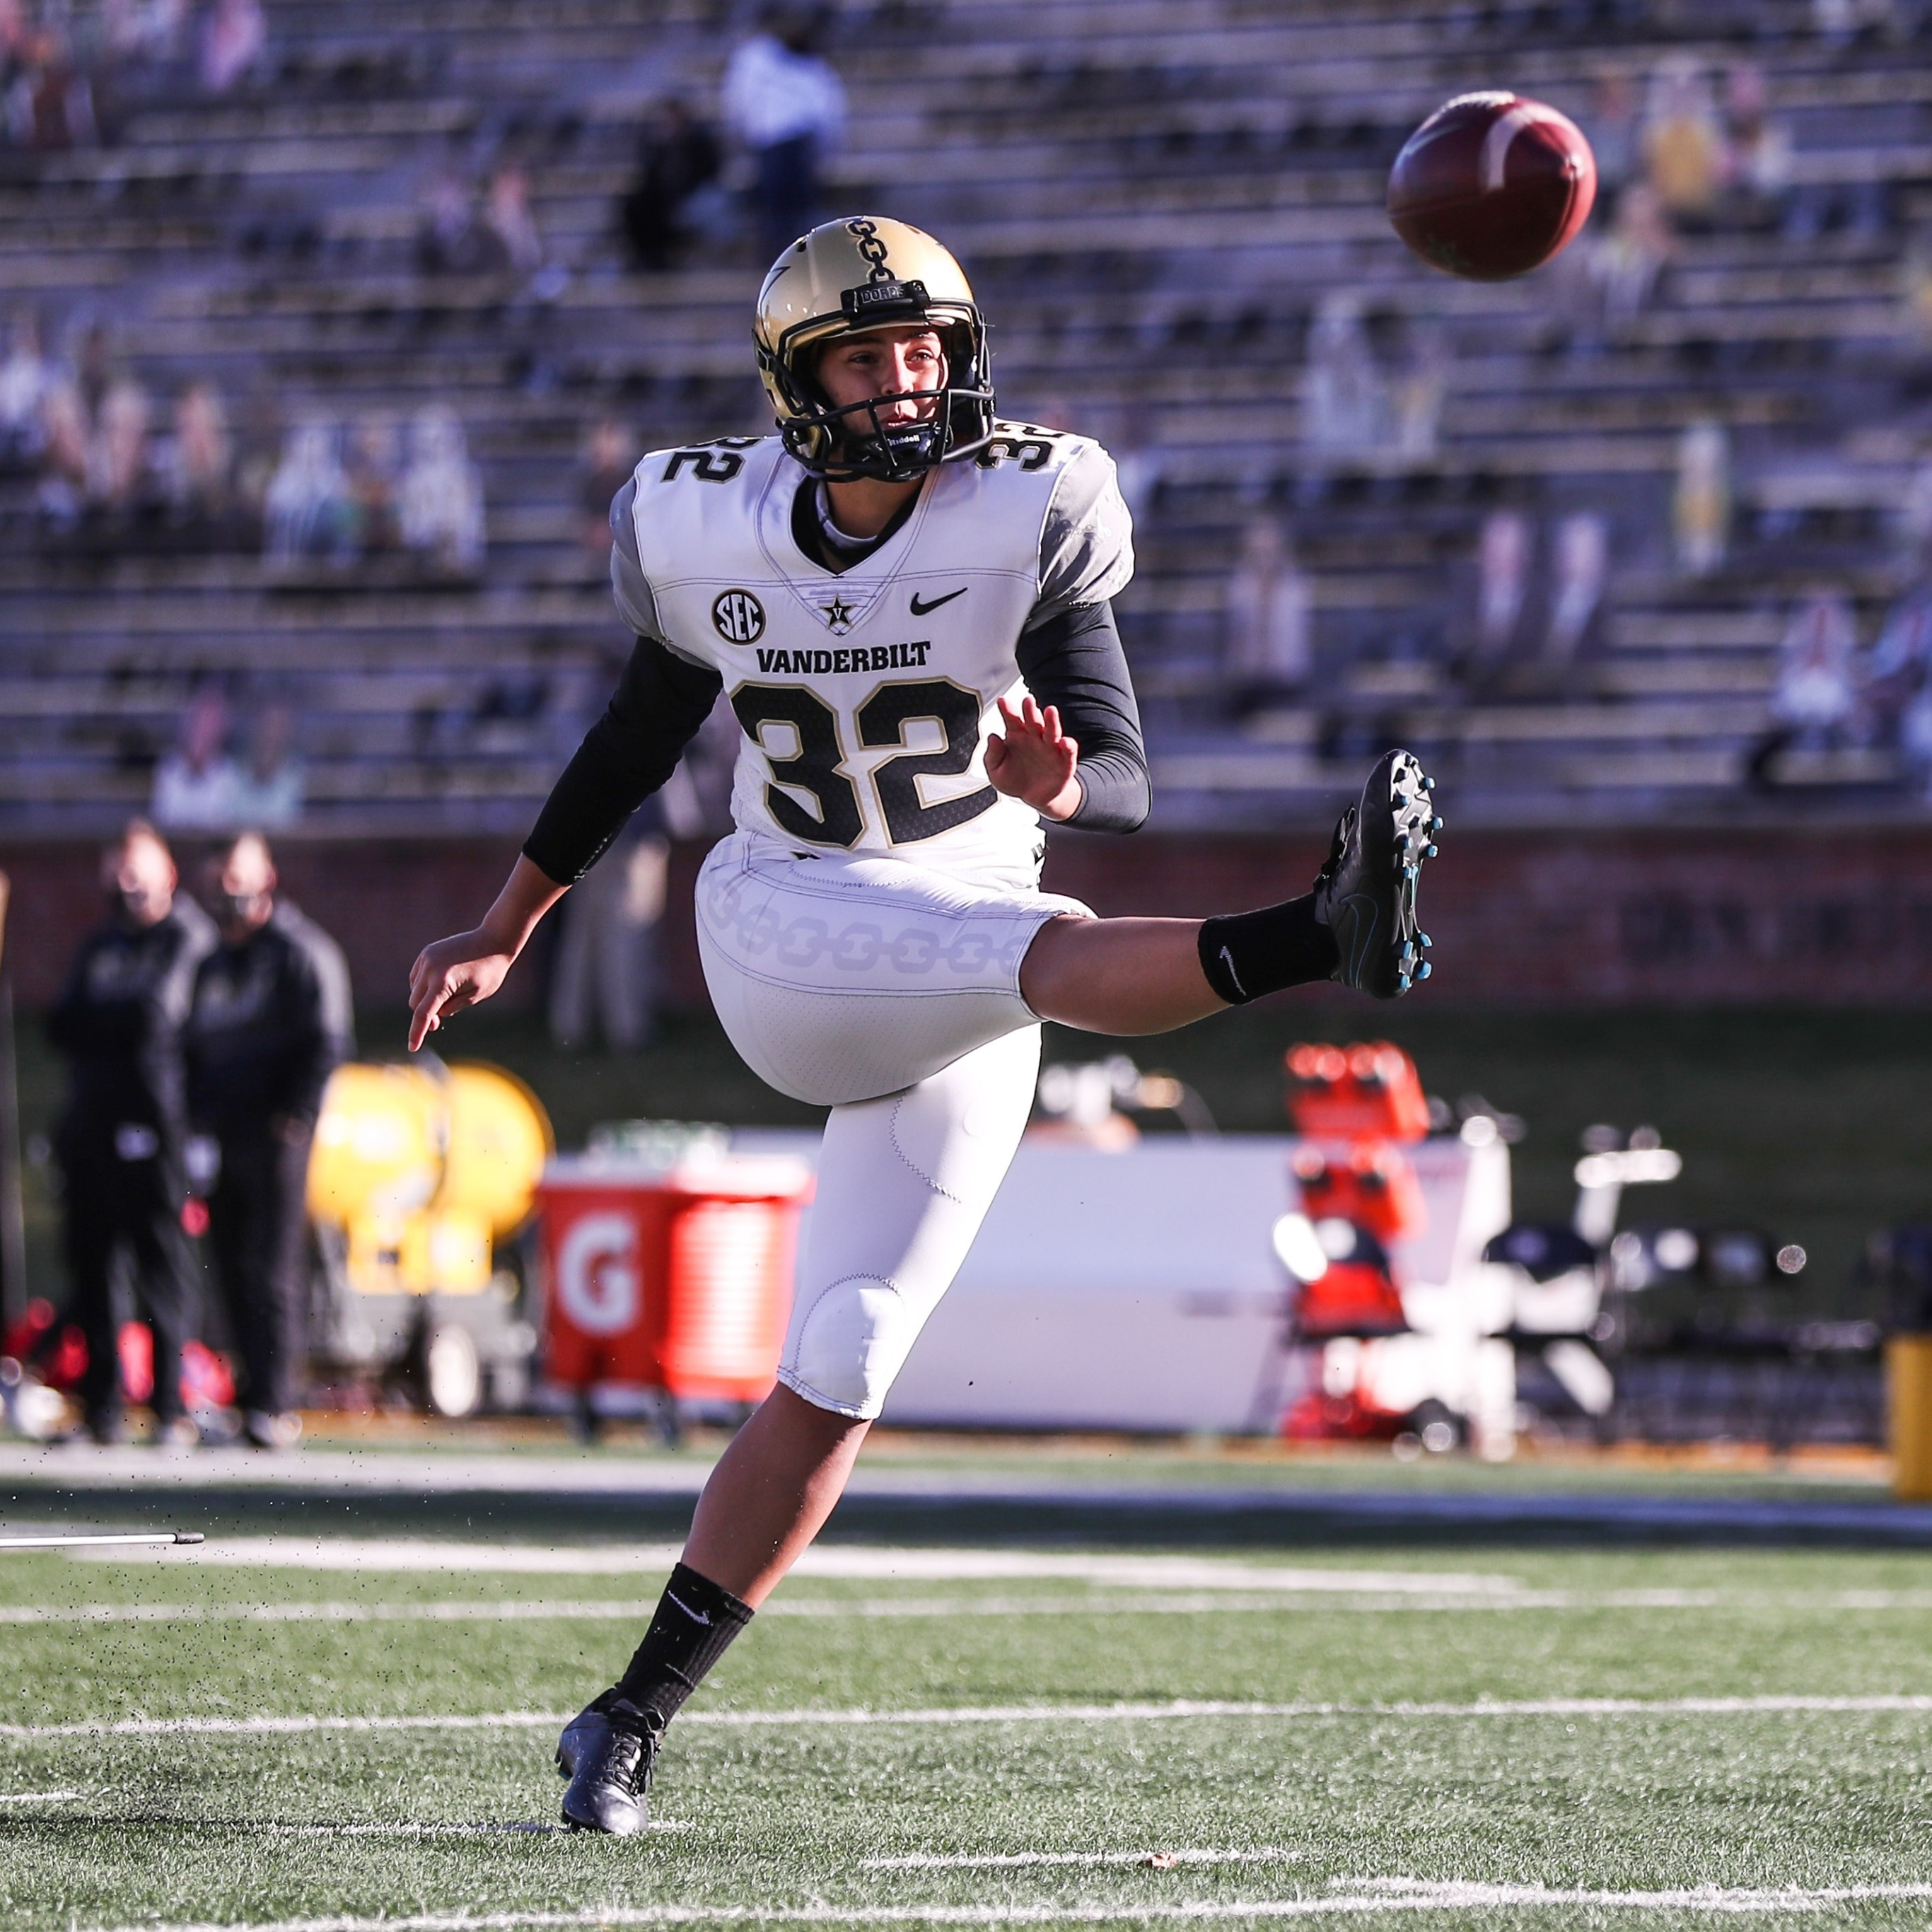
<point x="868" y="1562"/>
<point x="1013" y="1861"/>
<point x="516" y="1828"/>
<point x="40" y="1797"/>
<point x="1100" y="1603"/>
<point x="496" y="1610"/>
<point x="1372" y="1895"/>
<point x="1179" y="1707"/>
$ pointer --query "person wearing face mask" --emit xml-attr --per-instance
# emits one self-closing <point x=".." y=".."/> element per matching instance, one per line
<point x="269" y="1021"/>
<point x="119" y="1020"/>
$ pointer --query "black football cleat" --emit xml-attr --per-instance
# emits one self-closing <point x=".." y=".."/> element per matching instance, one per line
<point x="1365" y="894"/>
<point x="608" y="1764"/>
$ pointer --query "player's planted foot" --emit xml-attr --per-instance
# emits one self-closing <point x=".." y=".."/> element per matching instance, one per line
<point x="608" y="1755"/>
<point x="1366" y="893"/>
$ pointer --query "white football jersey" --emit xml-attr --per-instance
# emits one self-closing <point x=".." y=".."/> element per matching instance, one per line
<point x="866" y="696"/>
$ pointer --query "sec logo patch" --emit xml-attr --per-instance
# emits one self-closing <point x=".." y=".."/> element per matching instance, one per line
<point x="739" y="617"/>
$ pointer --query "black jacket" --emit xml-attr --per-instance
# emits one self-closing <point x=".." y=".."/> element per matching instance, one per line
<point x="270" y="1021"/>
<point x="119" y="1019"/>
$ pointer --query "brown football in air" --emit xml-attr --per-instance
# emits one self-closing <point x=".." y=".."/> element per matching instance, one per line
<point x="1492" y="185"/>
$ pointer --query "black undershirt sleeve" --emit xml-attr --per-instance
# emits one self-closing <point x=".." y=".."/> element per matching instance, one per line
<point x="1073" y="660"/>
<point x="659" y="704"/>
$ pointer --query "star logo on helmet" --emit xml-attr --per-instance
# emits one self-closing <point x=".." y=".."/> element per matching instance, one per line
<point x="837" y="614"/>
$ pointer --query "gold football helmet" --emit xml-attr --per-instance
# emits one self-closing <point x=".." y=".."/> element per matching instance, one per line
<point x="844" y="278"/>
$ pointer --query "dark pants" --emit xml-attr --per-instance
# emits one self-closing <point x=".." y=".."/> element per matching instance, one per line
<point x="115" y="1205"/>
<point x="258" y="1232"/>
<point x="788" y="189"/>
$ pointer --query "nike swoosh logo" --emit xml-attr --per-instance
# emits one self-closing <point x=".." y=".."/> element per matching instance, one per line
<point x="1228" y="961"/>
<point x="920" y="610"/>
<point x="696" y="1616"/>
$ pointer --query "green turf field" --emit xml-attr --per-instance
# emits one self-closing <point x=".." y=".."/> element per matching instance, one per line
<point x="358" y="1735"/>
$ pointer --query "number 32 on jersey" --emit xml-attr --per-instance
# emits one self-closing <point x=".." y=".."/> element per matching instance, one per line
<point x="798" y="732"/>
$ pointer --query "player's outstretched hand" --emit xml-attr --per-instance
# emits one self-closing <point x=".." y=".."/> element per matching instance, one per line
<point x="1035" y="761"/>
<point x="452" y="974"/>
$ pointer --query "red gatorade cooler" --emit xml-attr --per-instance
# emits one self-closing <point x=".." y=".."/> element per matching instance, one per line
<point x="678" y="1279"/>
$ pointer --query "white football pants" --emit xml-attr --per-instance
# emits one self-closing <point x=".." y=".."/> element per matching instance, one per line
<point x="890" y="994"/>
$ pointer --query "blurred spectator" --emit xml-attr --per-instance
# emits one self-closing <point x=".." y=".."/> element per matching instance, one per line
<point x="270" y="1020"/>
<point x="306" y="511"/>
<point x="1266" y="651"/>
<point x="1914" y="739"/>
<point x="1576" y="595"/>
<point x="1416" y="394"/>
<point x="1896" y="673"/>
<point x="234" y="44"/>
<point x="118" y="459"/>
<point x="1611" y="128"/>
<point x="1815" y="696"/>
<point x="66" y="439"/>
<point x="26" y="376"/>
<point x="439" y="505"/>
<point x="506" y="214"/>
<point x="1137" y="461"/>
<point x="1701" y="505"/>
<point x="94" y="417"/>
<point x="1341" y="405"/>
<point x="1683" y="144"/>
<point x="1502" y="587"/>
<point x="371" y="478"/>
<point x="1759" y="150"/>
<point x="512" y="237"/>
<point x="196" y="785"/>
<point x="269" y="784"/>
<point x="677" y="158"/>
<point x="606" y="975"/>
<point x="606" y="466"/>
<point x="201" y="472"/>
<point x="450" y="240"/>
<point x="122" y="1138"/>
<point x="784" y="105"/>
<point x="150" y="32"/>
<point x="1627" y="262"/>
<point x="49" y="102"/>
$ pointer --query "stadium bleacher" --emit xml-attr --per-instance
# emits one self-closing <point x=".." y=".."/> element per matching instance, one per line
<point x="1153" y="202"/>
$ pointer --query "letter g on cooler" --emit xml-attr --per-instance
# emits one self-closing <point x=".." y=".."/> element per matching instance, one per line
<point x="598" y="1279"/>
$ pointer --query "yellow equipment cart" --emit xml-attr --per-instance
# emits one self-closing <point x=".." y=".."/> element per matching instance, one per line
<point x="421" y="1177"/>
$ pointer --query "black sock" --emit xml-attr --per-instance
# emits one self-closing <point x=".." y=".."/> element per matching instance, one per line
<point x="692" y="1628"/>
<point x="1247" y="954"/>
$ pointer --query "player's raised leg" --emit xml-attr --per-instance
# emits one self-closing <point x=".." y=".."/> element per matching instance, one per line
<point x="1357" y="927"/>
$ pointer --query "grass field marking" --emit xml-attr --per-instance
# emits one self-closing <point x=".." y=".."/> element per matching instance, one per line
<point x="1378" y="1895"/>
<point x="1210" y="1603"/>
<point x="1013" y="1861"/>
<point x="874" y="1562"/>
<point x="498" y="1610"/>
<point x="269" y="1724"/>
<point x="517" y="1827"/>
<point x="40" y="1797"/>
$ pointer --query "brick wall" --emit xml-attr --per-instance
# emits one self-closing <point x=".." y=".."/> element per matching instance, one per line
<point x="1840" y="916"/>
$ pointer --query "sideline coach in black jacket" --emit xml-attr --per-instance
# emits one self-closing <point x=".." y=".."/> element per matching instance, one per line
<point x="119" y="1020"/>
<point x="270" y="1021"/>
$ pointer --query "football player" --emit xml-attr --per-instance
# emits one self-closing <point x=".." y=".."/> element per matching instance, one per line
<point x="907" y="601"/>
